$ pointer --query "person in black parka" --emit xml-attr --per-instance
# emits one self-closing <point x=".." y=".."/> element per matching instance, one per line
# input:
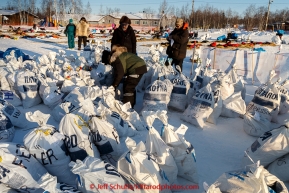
<point x="70" y="31"/>
<point x="124" y="35"/>
<point x="180" y="37"/>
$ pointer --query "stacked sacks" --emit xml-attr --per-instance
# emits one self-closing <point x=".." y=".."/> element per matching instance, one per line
<point x="17" y="118"/>
<point x="78" y="137"/>
<point x="137" y="165"/>
<point x="182" y="151"/>
<point x="20" y="170"/>
<point x="218" y="102"/>
<point x="7" y="130"/>
<point x="260" y="111"/>
<point x="181" y="86"/>
<point x="106" y="139"/>
<point x="201" y="107"/>
<point x="47" y="146"/>
<point x="95" y="175"/>
<point x="252" y="178"/>
<point x="158" y="149"/>
<point x="271" y="145"/>
<point x="157" y="95"/>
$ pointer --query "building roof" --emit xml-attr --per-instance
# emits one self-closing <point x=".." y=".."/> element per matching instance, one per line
<point x="12" y="12"/>
<point x="129" y="15"/>
<point x="95" y="17"/>
<point x="147" y="16"/>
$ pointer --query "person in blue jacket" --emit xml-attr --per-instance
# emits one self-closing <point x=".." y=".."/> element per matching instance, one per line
<point x="70" y="31"/>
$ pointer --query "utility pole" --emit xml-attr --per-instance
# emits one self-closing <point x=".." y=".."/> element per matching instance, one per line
<point x="270" y="1"/>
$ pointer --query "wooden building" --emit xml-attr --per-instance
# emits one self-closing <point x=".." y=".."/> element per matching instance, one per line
<point x="13" y="17"/>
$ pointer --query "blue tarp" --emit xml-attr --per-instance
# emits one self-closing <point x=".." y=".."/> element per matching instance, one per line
<point x="280" y="32"/>
<point x="18" y="53"/>
<point x="234" y="36"/>
<point x="221" y="38"/>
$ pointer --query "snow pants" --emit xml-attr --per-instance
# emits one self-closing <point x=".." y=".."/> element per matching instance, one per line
<point x="70" y="40"/>
<point x="129" y="89"/>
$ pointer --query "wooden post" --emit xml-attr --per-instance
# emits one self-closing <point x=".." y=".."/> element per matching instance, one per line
<point x="253" y="65"/>
<point x="214" y="58"/>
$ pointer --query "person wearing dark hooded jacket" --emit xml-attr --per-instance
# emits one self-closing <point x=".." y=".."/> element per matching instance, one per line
<point x="130" y="65"/>
<point x="179" y="38"/>
<point x="124" y="35"/>
<point x="70" y="32"/>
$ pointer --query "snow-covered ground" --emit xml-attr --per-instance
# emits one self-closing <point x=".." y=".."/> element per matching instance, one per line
<point x="219" y="148"/>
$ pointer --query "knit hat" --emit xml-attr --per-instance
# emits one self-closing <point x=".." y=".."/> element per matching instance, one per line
<point x="70" y="20"/>
<point x="83" y="18"/>
<point x="179" y="22"/>
<point x="124" y="19"/>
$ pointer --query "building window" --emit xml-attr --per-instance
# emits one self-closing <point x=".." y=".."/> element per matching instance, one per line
<point x="144" y="22"/>
<point x="136" y="22"/>
<point x="155" y="22"/>
<point x="109" y="21"/>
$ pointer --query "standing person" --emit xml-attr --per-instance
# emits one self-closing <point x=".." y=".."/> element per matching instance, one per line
<point x="127" y="64"/>
<point x="178" y="41"/>
<point x="70" y="32"/>
<point x="82" y="31"/>
<point x="124" y="35"/>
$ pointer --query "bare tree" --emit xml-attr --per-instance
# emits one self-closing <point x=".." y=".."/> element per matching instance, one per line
<point x="101" y="12"/>
<point x="249" y="16"/>
<point x="88" y="10"/>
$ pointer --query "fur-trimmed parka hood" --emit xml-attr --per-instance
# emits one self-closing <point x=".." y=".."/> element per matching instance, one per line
<point x="117" y="51"/>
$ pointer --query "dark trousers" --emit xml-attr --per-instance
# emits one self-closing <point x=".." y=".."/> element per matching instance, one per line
<point x="129" y="91"/>
<point x="178" y="62"/>
<point x="82" y="39"/>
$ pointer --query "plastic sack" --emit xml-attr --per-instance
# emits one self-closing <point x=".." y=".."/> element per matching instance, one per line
<point x="7" y="130"/>
<point x="157" y="95"/>
<point x="268" y="147"/>
<point x="137" y="165"/>
<point x="11" y="97"/>
<point x="280" y="167"/>
<point x="93" y="173"/>
<point x="218" y="103"/>
<point x="234" y="106"/>
<point x="27" y="84"/>
<point x="106" y="139"/>
<point x="284" y="105"/>
<point x="256" y="125"/>
<point x="78" y="137"/>
<point x="47" y="145"/>
<point x="158" y="149"/>
<point x="19" y="169"/>
<point x="182" y="151"/>
<point x="200" y="108"/>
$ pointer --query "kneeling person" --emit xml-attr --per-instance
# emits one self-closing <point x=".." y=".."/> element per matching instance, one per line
<point x="130" y="65"/>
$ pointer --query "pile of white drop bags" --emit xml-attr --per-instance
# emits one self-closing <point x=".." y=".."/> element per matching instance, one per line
<point x="93" y="173"/>
<point x="253" y="178"/>
<point x="158" y="149"/>
<point x="182" y="151"/>
<point x="78" y="137"/>
<point x="136" y="164"/>
<point x="267" y="148"/>
<point x="133" y="117"/>
<point x="7" y="130"/>
<point x="51" y="94"/>
<point x="27" y="84"/>
<point x="157" y="95"/>
<point x="106" y="139"/>
<point x="179" y="93"/>
<point x="47" y="145"/>
<point x="237" y="82"/>
<point x="263" y="107"/>
<point x="218" y="103"/>
<point x="19" y="169"/>
<point x="14" y="114"/>
<point x="201" y="107"/>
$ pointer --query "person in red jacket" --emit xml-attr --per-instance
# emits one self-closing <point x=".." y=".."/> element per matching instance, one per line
<point x="178" y="41"/>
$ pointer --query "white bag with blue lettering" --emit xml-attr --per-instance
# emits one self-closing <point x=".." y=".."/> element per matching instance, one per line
<point x="78" y="137"/>
<point x="158" y="149"/>
<point x="264" y="106"/>
<point x="48" y="147"/>
<point x="201" y="107"/>
<point x="16" y="117"/>
<point x="19" y="169"/>
<point x="11" y="97"/>
<point x="269" y="147"/>
<point x="138" y="166"/>
<point x="133" y="117"/>
<point x="106" y="139"/>
<point x="157" y="95"/>
<point x="180" y="90"/>
<point x="218" y="103"/>
<point x="27" y="84"/>
<point x="95" y="175"/>
<point x="280" y="168"/>
<point x="182" y="151"/>
<point x="7" y="130"/>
